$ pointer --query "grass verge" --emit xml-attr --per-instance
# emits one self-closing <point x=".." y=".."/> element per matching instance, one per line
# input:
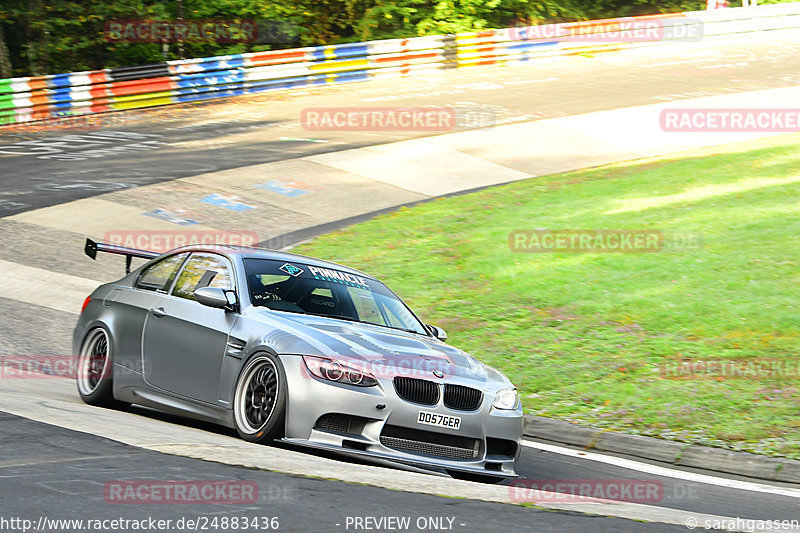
<point x="589" y="337"/>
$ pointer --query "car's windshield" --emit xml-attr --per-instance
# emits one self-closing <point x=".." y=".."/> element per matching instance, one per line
<point x="311" y="290"/>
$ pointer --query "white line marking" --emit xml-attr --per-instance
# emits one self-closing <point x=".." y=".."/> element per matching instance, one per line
<point x="665" y="472"/>
<point x="46" y="288"/>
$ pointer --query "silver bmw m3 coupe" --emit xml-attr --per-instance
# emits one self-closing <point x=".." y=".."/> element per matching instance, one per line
<point x="282" y="346"/>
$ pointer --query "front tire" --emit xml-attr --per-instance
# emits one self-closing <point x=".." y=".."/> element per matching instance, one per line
<point x="260" y="401"/>
<point x="94" y="372"/>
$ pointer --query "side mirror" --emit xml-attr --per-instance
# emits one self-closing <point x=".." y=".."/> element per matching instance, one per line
<point x="437" y="332"/>
<point x="216" y="297"/>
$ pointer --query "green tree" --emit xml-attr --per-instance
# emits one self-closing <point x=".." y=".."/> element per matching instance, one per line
<point x="5" y="58"/>
<point x="420" y="17"/>
<point x="49" y="36"/>
<point x="46" y="37"/>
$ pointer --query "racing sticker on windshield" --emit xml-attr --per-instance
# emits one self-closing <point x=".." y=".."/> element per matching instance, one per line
<point x="339" y="277"/>
<point x="292" y="270"/>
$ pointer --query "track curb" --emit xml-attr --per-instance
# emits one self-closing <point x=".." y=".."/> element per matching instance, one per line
<point x="664" y="451"/>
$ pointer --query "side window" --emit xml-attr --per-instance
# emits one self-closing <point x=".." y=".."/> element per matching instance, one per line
<point x="159" y="275"/>
<point x="203" y="270"/>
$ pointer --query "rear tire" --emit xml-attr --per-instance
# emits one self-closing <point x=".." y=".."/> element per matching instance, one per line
<point x="94" y="372"/>
<point x="259" y="404"/>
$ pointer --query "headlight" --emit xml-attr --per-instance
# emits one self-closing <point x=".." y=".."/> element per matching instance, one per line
<point x="506" y="399"/>
<point x="331" y="370"/>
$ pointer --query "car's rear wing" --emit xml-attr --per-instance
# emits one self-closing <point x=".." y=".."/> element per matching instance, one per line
<point x="92" y="248"/>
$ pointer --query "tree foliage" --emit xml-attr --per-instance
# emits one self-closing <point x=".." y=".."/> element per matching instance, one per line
<point x="48" y="36"/>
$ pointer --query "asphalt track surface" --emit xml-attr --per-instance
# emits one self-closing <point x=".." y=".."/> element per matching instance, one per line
<point x="47" y="168"/>
<point x="42" y="464"/>
<point x="40" y="470"/>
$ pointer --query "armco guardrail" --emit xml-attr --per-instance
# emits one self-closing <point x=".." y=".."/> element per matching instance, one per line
<point x="100" y="91"/>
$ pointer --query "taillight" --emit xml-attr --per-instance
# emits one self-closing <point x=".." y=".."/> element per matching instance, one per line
<point x="85" y="303"/>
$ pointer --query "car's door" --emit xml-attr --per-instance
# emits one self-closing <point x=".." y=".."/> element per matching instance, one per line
<point x="184" y="342"/>
<point x="130" y="308"/>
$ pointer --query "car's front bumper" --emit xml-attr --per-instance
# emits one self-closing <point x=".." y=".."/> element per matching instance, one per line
<point x="487" y="442"/>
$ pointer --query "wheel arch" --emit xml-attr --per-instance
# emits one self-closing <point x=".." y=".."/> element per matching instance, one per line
<point x="283" y="388"/>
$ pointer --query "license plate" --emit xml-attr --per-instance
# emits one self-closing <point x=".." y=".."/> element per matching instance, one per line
<point x="442" y="421"/>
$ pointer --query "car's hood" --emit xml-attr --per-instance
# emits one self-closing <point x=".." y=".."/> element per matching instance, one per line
<point x="382" y="351"/>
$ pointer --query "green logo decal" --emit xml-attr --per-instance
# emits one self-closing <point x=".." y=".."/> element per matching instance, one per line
<point x="291" y="270"/>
